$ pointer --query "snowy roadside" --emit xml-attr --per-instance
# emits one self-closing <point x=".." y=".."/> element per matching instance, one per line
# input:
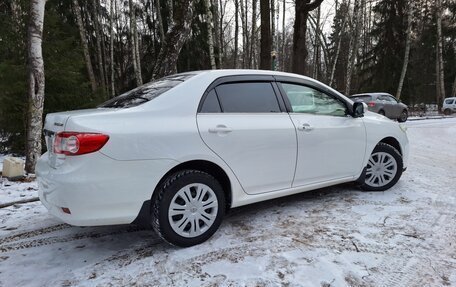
<point x="336" y="236"/>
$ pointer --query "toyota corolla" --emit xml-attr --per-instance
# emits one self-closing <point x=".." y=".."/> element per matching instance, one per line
<point x="178" y="152"/>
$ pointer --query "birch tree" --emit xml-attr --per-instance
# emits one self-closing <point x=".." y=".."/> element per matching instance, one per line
<point x="98" y="40"/>
<point x="236" y="33"/>
<point x="407" y="49"/>
<point x="440" y="85"/>
<point x="175" y="38"/>
<point x="35" y="87"/>
<point x="210" y="33"/>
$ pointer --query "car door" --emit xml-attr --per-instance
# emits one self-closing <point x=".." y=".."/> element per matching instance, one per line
<point x="395" y="107"/>
<point x="244" y="124"/>
<point x="331" y="145"/>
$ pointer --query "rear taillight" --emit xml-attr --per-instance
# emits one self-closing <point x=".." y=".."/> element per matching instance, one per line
<point x="73" y="143"/>
<point x="371" y="104"/>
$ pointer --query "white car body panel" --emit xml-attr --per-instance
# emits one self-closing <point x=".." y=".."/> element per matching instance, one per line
<point x="250" y="138"/>
<point x="147" y="141"/>
<point x="329" y="148"/>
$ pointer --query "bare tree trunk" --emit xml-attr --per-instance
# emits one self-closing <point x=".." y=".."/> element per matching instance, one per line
<point x="85" y="46"/>
<point x="353" y="47"/>
<point x="134" y="45"/>
<point x="316" y="58"/>
<point x="253" y="37"/>
<point x="273" y="24"/>
<point x="245" y="43"/>
<point x="98" y="38"/>
<point x="407" y="50"/>
<point x="265" y="51"/>
<point x="176" y="36"/>
<point x="302" y="9"/>
<point x="236" y="33"/>
<point x="35" y="89"/>
<point x="339" y="42"/>
<point x="440" y="69"/>
<point x="284" y="34"/>
<point x="216" y="31"/>
<point x="210" y="32"/>
<point x="111" y="48"/>
<point x="161" y="30"/>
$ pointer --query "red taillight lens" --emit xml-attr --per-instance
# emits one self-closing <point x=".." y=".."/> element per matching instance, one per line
<point x="371" y="104"/>
<point x="72" y="143"/>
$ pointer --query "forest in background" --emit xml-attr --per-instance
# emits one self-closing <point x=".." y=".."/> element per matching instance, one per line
<point x="96" y="49"/>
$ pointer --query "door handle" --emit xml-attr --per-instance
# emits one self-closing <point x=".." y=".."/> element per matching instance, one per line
<point x="305" y="127"/>
<point x="220" y="129"/>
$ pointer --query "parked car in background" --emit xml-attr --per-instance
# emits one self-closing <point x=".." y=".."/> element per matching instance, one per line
<point x="178" y="152"/>
<point x="384" y="104"/>
<point x="449" y="106"/>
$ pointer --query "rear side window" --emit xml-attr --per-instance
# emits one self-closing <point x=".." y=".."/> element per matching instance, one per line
<point x="211" y="103"/>
<point x="247" y="98"/>
<point x="146" y="92"/>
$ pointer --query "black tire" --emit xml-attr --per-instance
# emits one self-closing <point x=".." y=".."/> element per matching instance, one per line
<point x="394" y="153"/>
<point x="447" y="112"/>
<point x="164" y="195"/>
<point x="403" y="117"/>
<point x="381" y="112"/>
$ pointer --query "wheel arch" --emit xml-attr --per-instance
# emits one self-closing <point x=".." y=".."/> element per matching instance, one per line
<point x="392" y="142"/>
<point x="144" y="219"/>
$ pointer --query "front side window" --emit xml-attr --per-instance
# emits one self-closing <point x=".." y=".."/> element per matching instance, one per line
<point x="449" y="101"/>
<point x="304" y="99"/>
<point x="257" y="97"/>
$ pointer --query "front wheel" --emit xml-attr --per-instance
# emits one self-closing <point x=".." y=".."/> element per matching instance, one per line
<point x="188" y="208"/>
<point x="383" y="169"/>
<point x="403" y="117"/>
<point x="447" y="112"/>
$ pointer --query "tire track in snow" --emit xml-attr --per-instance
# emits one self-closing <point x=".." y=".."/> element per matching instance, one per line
<point x="33" y="233"/>
<point x="62" y="239"/>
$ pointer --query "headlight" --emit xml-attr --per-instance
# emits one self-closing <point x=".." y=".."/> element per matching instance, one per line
<point x="403" y="127"/>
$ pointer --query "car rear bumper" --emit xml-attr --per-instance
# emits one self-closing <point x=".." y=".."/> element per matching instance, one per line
<point x="96" y="189"/>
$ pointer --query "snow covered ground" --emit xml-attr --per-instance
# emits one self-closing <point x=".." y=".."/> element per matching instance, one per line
<point x="335" y="236"/>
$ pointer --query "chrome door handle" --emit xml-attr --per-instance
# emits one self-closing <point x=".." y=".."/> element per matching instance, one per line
<point x="305" y="127"/>
<point x="220" y="129"/>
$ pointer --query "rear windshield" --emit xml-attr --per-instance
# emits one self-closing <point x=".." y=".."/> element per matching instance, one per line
<point x="146" y="92"/>
<point x="363" y="98"/>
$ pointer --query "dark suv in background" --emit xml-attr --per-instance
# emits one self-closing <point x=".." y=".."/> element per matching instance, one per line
<point x="384" y="104"/>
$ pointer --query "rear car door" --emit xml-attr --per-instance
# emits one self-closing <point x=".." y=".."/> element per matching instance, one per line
<point x="331" y="145"/>
<point x="245" y="123"/>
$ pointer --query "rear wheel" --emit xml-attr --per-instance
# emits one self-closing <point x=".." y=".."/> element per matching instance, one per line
<point x="383" y="169"/>
<point x="403" y="117"/>
<point x="188" y="208"/>
<point x="381" y="112"/>
<point x="447" y="112"/>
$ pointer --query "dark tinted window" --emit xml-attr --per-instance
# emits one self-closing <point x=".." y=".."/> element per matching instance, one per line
<point x="211" y="103"/>
<point x="449" y="101"/>
<point x="248" y="98"/>
<point x="146" y="92"/>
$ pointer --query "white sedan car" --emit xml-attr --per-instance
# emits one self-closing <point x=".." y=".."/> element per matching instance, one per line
<point x="178" y="152"/>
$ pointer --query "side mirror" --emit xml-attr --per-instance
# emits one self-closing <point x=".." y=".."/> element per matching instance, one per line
<point x="358" y="109"/>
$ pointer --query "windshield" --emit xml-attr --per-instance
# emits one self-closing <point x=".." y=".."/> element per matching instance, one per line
<point x="146" y="92"/>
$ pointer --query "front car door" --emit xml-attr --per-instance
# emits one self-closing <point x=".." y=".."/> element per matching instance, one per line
<point x="246" y="124"/>
<point x="331" y="144"/>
